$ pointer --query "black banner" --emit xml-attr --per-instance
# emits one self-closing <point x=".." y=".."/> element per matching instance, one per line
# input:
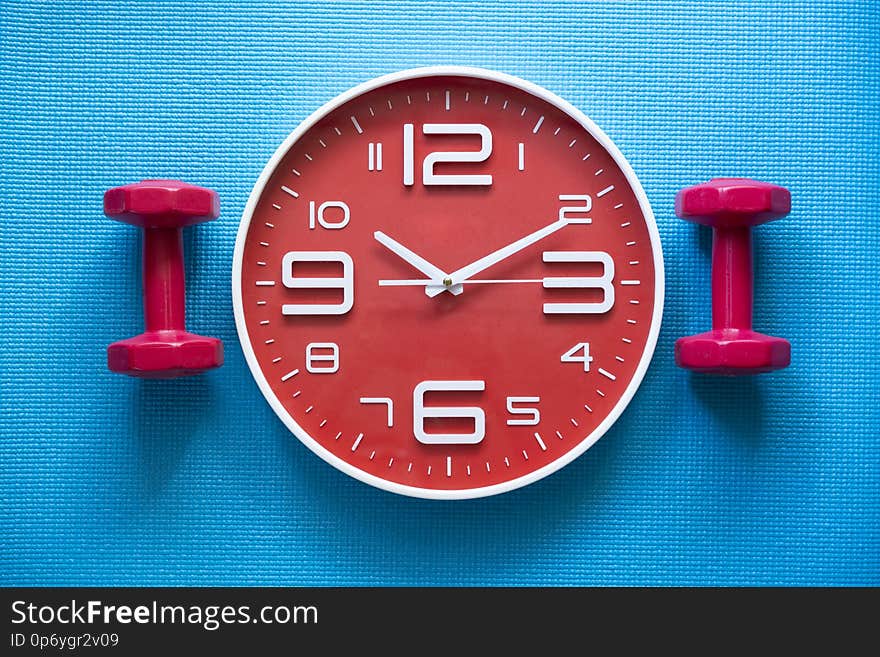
<point x="132" y="621"/>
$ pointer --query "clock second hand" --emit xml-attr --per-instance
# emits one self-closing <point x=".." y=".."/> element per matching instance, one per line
<point x="427" y="281"/>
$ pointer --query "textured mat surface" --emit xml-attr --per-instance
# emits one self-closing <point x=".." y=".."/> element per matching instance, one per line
<point x="108" y="480"/>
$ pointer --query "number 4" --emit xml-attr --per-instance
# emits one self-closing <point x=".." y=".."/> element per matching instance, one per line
<point x="570" y="357"/>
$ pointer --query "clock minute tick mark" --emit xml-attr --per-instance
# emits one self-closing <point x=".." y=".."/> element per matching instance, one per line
<point x="357" y="442"/>
<point x="607" y="374"/>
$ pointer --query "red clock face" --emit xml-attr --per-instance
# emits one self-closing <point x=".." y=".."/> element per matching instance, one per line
<point x="448" y="283"/>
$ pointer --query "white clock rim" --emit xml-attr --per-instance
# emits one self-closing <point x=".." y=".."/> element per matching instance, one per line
<point x="588" y="440"/>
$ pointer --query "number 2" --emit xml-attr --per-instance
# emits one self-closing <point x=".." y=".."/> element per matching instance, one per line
<point x="567" y="210"/>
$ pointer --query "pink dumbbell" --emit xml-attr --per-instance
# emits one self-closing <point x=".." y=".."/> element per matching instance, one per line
<point x="162" y="208"/>
<point x="732" y="206"/>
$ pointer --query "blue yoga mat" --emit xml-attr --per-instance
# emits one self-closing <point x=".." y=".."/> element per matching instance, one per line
<point x="110" y="480"/>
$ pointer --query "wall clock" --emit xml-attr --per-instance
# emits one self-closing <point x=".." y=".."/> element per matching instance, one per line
<point x="448" y="282"/>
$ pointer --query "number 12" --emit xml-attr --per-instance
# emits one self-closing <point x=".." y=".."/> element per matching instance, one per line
<point x="428" y="175"/>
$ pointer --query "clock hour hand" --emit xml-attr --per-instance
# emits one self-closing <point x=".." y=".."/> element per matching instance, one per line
<point x="461" y="275"/>
<point x="418" y="262"/>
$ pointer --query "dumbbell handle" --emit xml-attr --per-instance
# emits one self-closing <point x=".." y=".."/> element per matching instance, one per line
<point x="732" y="277"/>
<point x="164" y="285"/>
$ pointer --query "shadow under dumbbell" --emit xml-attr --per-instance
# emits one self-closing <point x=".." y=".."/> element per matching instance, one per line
<point x="737" y="402"/>
<point x="167" y="414"/>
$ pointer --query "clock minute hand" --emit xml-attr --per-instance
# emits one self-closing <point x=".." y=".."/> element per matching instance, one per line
<point x="461" y="275"/>
<point x="418" y="262"/>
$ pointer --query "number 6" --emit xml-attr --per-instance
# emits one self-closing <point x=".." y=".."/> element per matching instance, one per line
<point x="421" y="413"/>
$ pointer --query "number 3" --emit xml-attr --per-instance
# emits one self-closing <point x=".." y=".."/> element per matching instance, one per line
<point x="602" y="282"/>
